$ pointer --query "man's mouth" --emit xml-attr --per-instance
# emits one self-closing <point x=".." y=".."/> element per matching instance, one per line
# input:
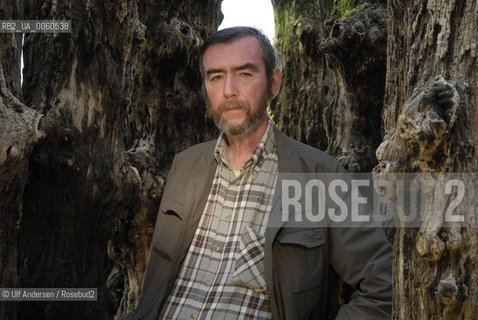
<point x="232" y="109"/>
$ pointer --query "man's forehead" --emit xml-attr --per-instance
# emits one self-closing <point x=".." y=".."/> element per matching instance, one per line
<point x="243" y="50"/>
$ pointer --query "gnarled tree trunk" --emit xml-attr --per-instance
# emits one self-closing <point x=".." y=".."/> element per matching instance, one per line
<point x="356" y="52"/>
<point x="18" y="134"/>
<point x="308" y="86"/>
<point x="430" y="121"/>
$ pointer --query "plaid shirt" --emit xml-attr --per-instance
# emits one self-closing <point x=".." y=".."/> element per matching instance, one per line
<point x="222" y="276"/>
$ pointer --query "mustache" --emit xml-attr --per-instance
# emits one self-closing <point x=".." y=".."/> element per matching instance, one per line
<point x="232" y="104"/>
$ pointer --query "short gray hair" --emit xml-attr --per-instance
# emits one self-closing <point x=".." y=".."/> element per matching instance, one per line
<point x="228" y="35"/>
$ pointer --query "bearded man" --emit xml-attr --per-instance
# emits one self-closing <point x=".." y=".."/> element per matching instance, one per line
<point x="215" y="252"/>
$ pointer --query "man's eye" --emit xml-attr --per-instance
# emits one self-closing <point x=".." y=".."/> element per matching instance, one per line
<point x="216" y="78"/>
<point x="246" y="74"/>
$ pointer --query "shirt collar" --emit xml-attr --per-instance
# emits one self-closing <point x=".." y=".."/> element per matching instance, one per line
<point x="266" y="146"/>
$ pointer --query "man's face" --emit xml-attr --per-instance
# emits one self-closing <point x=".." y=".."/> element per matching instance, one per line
<point x="236" y="85"/>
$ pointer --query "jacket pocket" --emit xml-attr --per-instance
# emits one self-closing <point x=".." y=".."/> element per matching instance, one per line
<point x="301" y="259"/>
<point x="169" y="228"/>
<point x="308" y="238"/>
<point x="171" y="207"/>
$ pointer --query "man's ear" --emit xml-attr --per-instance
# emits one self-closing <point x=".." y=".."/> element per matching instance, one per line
<point x="276" y="82"/>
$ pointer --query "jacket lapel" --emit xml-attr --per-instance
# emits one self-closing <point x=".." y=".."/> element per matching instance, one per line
<point x="288" y="166"/>
<point x="198" y="189"/>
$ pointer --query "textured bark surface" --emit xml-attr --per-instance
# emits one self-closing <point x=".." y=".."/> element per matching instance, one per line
<point x="430" y="121"/>
<point x="79" y="179"/>
<point x="10" y="50"/>
<point x="308" y="86"/>
<point x="18" y="133"/>
<point x="93" y="184"/>
<point x="356" y="52"/>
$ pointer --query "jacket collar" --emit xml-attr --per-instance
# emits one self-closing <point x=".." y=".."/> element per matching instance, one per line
<point x="289" y="167"/>
<point x="289" y="162"/>
<point x="286" y="153"/>
<point x="288" y="159"/>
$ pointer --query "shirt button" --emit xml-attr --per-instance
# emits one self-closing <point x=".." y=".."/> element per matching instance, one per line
<point x="193" y="316"/>
<point x="206" y="283"/>
<point x="227" y="216"/>
<point x="218" y="248"/>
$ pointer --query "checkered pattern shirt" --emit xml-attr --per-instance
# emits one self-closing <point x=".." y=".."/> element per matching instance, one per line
<point x="222" y="276"/>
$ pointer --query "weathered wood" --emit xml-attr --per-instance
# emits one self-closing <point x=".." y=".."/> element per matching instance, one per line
<point x="18" y="134"/>
<point x="308" y="86"/>
<point x="79" y="178"/>
<point x="430" y="121"/>
<point x="356" y="52"/>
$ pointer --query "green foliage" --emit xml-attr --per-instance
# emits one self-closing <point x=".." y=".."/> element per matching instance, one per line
<point x="344" y="8"/>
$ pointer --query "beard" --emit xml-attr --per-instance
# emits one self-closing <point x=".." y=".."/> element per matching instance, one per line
<point x="253" y="115"/>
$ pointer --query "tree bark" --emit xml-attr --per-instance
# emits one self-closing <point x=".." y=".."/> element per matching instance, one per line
<point x="430" y="121"/>
<point x="333" y="105"/>
<point x="118" y="97"/>
<point x="80" y="182"/>
<point x="308" y="86"/>
<point x="18" y="134"/>
<point x="356" y="52"/>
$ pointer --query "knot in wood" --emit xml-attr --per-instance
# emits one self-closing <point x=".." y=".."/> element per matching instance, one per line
<point x="430" y="247"/>
<point x="448" y="290"/>
<point x="13" y="153"/>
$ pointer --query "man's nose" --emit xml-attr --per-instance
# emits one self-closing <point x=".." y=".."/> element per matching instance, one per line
<point x="230" y="87"/>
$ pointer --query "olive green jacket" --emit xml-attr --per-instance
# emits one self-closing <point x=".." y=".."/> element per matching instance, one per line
<point x="301" y="265"/>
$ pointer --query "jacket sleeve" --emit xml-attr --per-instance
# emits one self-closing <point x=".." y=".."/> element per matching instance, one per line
<point x="362" y="257"/>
